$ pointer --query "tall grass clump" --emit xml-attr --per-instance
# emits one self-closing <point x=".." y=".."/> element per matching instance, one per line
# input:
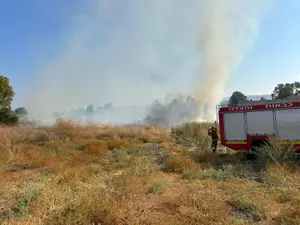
<point x="273" y="152"/>
<point x="192" y="130"/>
<point x="179" y="164"/>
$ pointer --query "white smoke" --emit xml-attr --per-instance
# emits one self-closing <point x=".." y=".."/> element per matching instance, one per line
<point x="227" y="29"/>
<point x="133" y="52"/>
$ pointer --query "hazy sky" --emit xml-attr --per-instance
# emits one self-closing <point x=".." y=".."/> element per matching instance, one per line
<point x="33" y="31"/>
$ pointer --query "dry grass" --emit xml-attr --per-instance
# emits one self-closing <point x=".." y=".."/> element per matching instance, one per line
<point x="180" y="163"/>
<point x="74" y="174"/>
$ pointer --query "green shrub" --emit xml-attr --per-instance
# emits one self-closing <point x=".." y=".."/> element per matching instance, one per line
<point x="275" y="153"/>
<point x="158" y="186"/>
<point x="243" y="205"/>
<point x="8" y="117"/>
<point x="192" y="130"/>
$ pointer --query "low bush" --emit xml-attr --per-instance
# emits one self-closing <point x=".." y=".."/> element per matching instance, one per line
<point x="179" y="164"/>
<point x="273" y="152"/>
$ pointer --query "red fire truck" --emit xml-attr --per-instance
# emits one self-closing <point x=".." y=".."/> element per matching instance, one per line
<point x="249" y="125"/>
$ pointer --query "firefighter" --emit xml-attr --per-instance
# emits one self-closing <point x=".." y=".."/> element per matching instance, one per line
<point x="213" y="133"/>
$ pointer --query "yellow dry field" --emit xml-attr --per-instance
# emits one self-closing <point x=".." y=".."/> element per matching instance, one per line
<point x="71" y="174"/>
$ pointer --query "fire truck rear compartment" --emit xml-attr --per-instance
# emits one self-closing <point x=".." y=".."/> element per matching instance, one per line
<point x="283" y="123"/>
<point x="288" y="124"/>
<point x="260" y="123"/>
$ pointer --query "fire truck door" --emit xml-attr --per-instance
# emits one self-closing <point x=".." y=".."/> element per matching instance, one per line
<point x="235" y="127"/>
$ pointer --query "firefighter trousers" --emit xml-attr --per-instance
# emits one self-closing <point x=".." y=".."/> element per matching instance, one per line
<point x="214" y="144"/>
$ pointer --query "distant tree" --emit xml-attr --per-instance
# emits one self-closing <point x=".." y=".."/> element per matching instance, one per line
<point x="156" y="103"/>
<point x="286" y="90"/>
<point x="237" y="97"/>
<point x="156" y="114"/>
<point x="90" y="108"/>
<point x="190" y="100"/>
<point x="108" y="105"/>
<point x="296" y="88"/>
<point x="7" y="116"/>
<point x="157" y="109"/>
<point x="99" y="108"/>
<point x="57" y="114"/>
<point x="80" y="110"/>
<point x="21" y="111"/>
<point x="6" y="92"/>
<point x="283" y="91"/>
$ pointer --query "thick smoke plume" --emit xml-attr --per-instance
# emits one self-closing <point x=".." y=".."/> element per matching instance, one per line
<point x="226" y="30"/>
<point x="134" y="52"/>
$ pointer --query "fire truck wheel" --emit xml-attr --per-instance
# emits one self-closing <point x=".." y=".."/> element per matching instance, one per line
<point x="257" y="145"/>
<point x="250" y="155"/>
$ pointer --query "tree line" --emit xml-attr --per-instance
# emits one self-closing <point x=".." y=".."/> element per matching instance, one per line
<point x="281" y="91"/>
<point x="8" y="116"/>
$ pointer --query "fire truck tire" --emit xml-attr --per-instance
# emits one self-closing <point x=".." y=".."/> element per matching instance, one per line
<point x="250" y="155"/>
<point x="256" y="146"/>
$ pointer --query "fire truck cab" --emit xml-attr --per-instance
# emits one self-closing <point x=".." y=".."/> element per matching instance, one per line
<point x="249" y="125"/>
